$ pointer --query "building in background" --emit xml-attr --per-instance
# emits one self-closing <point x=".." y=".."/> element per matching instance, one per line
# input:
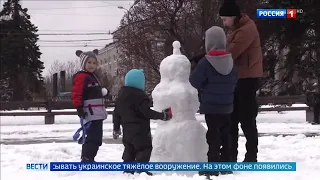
<point x="110" y="62"/>
<point x="109" y="58"/>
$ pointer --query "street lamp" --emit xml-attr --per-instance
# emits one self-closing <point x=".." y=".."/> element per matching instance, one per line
<point x="128" y="24"/>
<point x="121" y="7"/>
<point x="128" y="13"/>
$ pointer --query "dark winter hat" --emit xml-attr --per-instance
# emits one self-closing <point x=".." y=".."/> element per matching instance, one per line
<point x="85" y="55"/>
<point x="229" y="8"/>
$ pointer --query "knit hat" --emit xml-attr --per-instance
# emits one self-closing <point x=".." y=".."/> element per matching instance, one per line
<point x="135" y="78"/>
<point x="215" y="39"/>
<point x="229" y="8"/>
<point x="85" y="55"/>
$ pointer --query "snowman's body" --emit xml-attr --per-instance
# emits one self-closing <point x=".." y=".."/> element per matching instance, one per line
<point x="183" y="138"/>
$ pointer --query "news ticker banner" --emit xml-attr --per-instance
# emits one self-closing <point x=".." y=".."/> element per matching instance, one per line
<point x="278" y="13"/>
<point x="161" y="166"/>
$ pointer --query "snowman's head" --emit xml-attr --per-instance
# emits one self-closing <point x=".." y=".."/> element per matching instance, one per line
<point x="175" y="67"/>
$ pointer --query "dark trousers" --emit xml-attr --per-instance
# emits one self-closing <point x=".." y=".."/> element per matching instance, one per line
<point x="137" y="148"/>
<point x="245" y="112"/>
<point x="93" y="140"/>
<point x="217" y="136"/>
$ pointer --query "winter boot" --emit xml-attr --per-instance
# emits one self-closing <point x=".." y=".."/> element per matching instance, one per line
<point x="226" y="172"/>
<point x="250" y="160"/>
<point x="208" y="173"/>
<point x="128" y="172"/>
<point x="147" y="172"/>
<point x="84" y="159"/>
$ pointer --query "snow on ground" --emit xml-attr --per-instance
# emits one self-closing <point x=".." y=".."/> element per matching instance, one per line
<point x="268" y="122"/>
<point x="298" y="148"/>
<point x="292" y="116"/>
<point x="304" y="151"/>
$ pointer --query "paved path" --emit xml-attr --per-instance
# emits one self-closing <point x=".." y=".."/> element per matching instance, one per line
<point x="118" y="141"/>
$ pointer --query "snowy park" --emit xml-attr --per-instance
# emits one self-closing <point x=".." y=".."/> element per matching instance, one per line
<point x="149" y="102"/>
<point x="283" y="138"/>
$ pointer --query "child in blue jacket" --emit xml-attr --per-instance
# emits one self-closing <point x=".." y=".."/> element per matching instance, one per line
<point x="215" y="77"/>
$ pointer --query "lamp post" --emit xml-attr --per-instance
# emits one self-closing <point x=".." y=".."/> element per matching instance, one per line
<point x="121" y="7"/>
<point x="135" y="2"/>
<point x="128" y="24"/>
<point x="128" y="16"/>
<point x="128" y="13"/>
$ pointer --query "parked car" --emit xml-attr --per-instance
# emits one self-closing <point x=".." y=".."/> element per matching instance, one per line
<point x="63" y="96"/>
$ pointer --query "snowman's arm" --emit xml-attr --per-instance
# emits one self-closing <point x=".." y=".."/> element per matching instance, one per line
<point x="149" y="113"/>
<point x="198" y="76"/>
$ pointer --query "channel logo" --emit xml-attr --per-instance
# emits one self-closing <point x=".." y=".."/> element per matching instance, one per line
<point x="272" y="13"/>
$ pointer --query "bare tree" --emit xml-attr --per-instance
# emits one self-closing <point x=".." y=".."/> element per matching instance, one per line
<point x="71" y="67"/>
<point x="148" y="30"/>
<point x="105" y="78"/>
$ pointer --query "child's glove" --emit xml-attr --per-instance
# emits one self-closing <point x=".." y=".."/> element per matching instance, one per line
<point x="167" y="114"/>
<point x="116" y="134"/>
<point x="105" y="92"/>
<point x="81" y="112"/>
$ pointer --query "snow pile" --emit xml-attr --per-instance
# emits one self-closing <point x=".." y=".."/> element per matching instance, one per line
<point x="183" y="139"/>
<point x="300" y="149"/>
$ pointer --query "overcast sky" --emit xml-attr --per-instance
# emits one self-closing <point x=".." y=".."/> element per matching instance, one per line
<point x="72" y="16"/>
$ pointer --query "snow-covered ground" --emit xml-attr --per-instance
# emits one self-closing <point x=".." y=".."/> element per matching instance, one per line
<point x="304" y="151"/>
<point x="298" y="148"/>
<point x="33" y="128"/>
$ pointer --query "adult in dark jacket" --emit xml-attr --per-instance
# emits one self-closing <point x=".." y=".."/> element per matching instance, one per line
<point x="133" y="112"/>
<point x="216" y="76"/>
<point x="243" y="42"/>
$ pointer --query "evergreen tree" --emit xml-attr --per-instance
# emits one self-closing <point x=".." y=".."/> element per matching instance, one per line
<point x="21" y="67"/>
<point x="292" y="43"/>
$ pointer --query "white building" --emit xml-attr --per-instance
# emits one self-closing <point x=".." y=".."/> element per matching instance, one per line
<point x="108" y="59"/>
<point x="109" y="62"/>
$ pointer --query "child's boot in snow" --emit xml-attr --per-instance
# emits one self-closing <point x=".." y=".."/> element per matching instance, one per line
<point x="84" y="159"/>
<point x="226" y="172"/>
<point x="128" y="172"/>
<point x="147" y="172"/>
<point x="208" y="173"/>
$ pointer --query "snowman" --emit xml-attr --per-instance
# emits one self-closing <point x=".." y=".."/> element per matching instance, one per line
<point x="183" y="138"/>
